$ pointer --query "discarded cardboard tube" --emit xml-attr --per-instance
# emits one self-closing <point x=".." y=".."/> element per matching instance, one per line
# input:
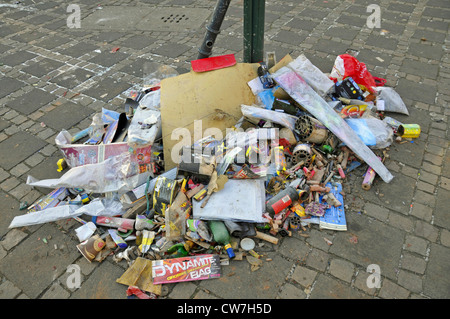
<point x="311" y="130"/>
<point x="303" y="194"/>
<point x="409" y="130"/>
<point x="116" y="222"/>
<point x="319" y="156"/>
<point x="295" y="222"/>
<point x="341" y="171"/>
<point x="368" y="179"/>
<point x="301" y="153"/>
<point x="117" y="239"/>
<point x="282" y="200"/>
<point x="317" y="188"/>
<point x="284" y="230"/>
<point x="266" y="237"/>
<point x="318" y="176"/>
<point x="345" y="159"/>
<point x="328" y="178"/>
<point x="332" y="200"/>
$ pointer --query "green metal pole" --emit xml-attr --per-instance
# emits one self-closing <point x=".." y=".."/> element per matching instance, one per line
<point x="254" y="12"/>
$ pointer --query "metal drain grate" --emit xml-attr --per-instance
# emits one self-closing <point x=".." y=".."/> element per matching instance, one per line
<point x="146" y="18"/>
<point x="175" y="18"/>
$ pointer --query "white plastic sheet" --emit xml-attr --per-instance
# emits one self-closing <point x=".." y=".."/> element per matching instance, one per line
<point x="392" y="100"/>
<point x="239" y="200"/>
<point x="300" y="91"/>
<point x="281" y="118"/>
<point x="98" y="207"/>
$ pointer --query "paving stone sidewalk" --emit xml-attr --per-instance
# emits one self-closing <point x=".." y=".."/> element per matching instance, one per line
<point x="54" y="77"/>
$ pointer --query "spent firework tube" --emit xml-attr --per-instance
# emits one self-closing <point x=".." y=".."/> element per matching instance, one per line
<point x="341" y="171"/>
<point x="369" y="177"/>
<point x="117" y="239"/>
<point x="115" y="222"/>
<point x="229" y="250"/>
<point x="282" y="200"/>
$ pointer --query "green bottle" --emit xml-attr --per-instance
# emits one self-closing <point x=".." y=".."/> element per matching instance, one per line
<point x="221" y="235"/>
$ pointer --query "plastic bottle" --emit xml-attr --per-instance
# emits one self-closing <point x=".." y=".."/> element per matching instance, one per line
<point x="282" y="200"/>
<point x="221" y="235"/>
<point x="180" y="249"/>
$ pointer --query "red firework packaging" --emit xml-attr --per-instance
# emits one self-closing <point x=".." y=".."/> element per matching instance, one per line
<point x="189" y="268"/>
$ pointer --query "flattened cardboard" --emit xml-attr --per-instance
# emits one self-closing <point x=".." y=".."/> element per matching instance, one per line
<point x="139" y="274"/>
<point x="214" y="97"/>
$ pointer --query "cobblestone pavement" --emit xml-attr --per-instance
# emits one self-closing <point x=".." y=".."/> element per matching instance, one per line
<point x="54" y="77"/>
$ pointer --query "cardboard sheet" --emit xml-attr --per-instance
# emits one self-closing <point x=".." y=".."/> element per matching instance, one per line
<point x="214" y="97"/>
<point x="140" y="275"/>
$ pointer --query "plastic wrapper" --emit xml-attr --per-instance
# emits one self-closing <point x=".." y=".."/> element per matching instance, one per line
<point x="300" y="91"/>
<point x="392" y="100"/>
<point x="266" y="97"/>
<point x="98" y="207"/>
<point x="155" y="72"/>
<point x="85" y="231"/>
<point x="175" y="217"/>
<point x="312" y="75"/>
<point x="392" y="122"/>
<point x="373" y="132"/>
<point x="151" y="100"/>
<point x="346" y="66"/>
<point x="116" y="174"/>
<point x="259" y="113"/>
<point x="144" y="128"/>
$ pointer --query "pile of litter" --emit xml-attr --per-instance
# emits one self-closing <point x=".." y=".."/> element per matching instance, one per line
<point x="180" y="210"/>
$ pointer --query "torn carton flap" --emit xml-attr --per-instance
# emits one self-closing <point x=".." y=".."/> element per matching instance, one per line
<point x="139" y="274"/>
<point x="98" y="207"/>
<point x="81" y="154"/>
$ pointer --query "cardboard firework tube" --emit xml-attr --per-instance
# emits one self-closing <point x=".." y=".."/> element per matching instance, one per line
<point x="317" y="188"/>
<point x="409" y="130"/>
<point x="341" y="171"/>
<point x="368" y="178"/>
<point x="345" y="159"/>
<point x="266" y="237"/>
<point x="295" y="222"/>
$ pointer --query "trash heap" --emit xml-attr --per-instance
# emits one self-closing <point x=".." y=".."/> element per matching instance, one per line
<point x="278" y="170"/>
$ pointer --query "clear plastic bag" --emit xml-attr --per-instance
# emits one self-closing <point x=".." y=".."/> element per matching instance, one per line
<point x="154" y="73"/>
<point x="145" y="127"/>
<point x="312" y="75"/>
<point x="373" y="132"/>
<point x="392" y="100"/>
<point x="115" y="174"/>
